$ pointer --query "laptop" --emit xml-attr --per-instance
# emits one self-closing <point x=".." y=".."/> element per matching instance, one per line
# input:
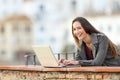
<point x="46" y="56"/>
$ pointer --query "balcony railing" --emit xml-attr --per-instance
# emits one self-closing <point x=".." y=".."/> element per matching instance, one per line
<point x="64" y="55"/>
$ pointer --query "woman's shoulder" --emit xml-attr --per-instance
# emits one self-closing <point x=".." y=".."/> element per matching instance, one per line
<point x="99" y="35"/>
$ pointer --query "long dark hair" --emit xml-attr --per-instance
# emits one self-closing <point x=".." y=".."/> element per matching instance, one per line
<point x="90" y="29"/>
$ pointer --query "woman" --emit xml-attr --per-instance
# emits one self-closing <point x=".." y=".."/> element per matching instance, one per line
<point x="94" y="47"/>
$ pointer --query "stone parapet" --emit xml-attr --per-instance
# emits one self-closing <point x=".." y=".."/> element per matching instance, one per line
<point x="70" y="73"/>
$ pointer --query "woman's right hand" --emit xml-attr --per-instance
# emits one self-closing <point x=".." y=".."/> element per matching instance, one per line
<point x="67" y="62"/>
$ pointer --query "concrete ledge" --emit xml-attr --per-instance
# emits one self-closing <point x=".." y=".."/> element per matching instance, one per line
<point x="70" y="69"/>
<point x="73" y="73"/>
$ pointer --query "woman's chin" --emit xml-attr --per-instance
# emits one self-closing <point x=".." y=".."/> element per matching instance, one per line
<point x="80" y="38"/>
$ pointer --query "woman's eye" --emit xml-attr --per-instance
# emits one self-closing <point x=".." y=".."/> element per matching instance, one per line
<point x="78" y="28"/>
<point x="74" y="29"/>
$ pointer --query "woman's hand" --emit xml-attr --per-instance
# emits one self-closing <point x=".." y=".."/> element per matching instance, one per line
<point x="68" y="62"/>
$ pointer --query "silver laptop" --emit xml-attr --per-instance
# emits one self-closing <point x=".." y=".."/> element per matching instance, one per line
<point x="45" y="56"/>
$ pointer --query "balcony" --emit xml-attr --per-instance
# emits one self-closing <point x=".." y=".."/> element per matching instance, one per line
<point x="70" y="73"/>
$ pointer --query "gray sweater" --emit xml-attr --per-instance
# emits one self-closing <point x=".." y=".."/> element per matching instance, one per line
<point x="101" y="50"/>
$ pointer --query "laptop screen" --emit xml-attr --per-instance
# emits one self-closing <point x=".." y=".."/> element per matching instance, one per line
<point x="45" y="56"/>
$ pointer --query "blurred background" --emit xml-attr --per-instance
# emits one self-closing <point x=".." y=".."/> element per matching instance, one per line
<point x="48" y="22"/>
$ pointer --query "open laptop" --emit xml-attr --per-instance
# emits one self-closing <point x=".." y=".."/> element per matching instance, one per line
<point x="45" y="56"/>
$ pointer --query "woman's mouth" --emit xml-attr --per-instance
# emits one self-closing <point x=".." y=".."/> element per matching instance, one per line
<point x="79" y="36"/>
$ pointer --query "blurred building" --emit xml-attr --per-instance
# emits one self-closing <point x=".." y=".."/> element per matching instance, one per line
<point x="16" y="35"/>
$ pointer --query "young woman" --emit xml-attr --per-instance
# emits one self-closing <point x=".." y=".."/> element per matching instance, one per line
<point x="94" y="47"/>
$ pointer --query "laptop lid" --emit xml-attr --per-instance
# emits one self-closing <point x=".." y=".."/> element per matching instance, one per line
<point x="45" y="56"/>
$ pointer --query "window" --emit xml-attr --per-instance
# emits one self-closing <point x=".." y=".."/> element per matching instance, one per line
<point x="27" y="28"/>
<point x="42" y="28"/>
<point x="2" y="52"/>
<point x="2" y="29"/>
<point x="15" y="28"/>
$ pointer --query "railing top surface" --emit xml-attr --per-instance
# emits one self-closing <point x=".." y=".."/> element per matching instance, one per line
<point x="64" y="69"/>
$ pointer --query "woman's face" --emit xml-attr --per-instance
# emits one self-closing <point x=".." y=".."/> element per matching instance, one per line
<point x="79" y="31"/>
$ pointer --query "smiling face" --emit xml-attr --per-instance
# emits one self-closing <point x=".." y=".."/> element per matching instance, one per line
<point x="78" y="31"/>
